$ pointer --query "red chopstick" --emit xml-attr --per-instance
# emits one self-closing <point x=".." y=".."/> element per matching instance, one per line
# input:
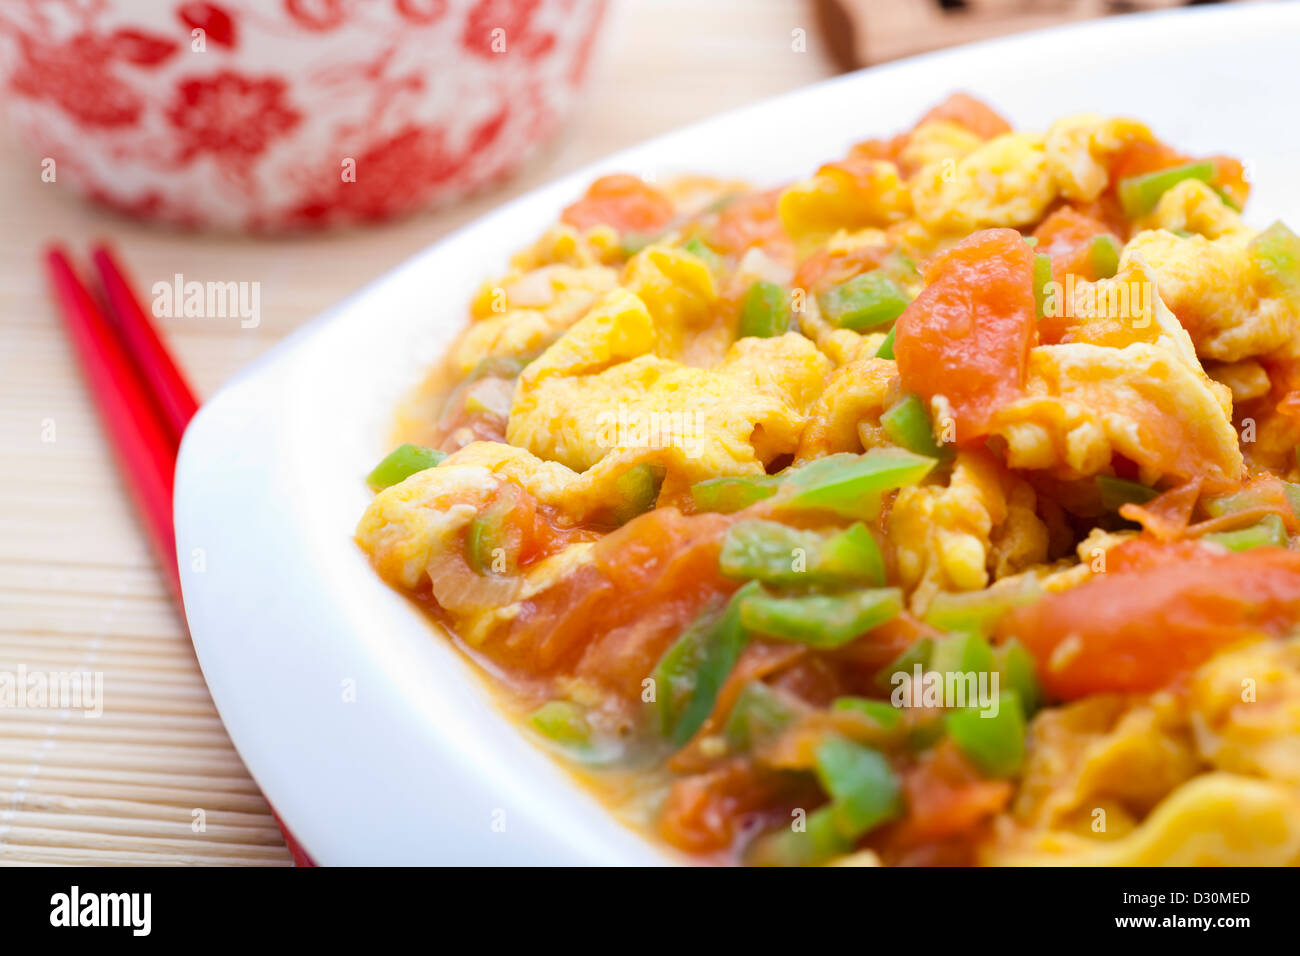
<point x="145" y="449"/>
<point x="143" y="401"/>
<point x="172" y="393"/>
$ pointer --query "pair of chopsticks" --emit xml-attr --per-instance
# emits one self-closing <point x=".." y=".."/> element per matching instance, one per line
<point x="143" y="399"/>
<point x="144" y="402"/>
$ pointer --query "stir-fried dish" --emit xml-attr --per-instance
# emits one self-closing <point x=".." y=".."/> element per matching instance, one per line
<point x="935" y="509"/>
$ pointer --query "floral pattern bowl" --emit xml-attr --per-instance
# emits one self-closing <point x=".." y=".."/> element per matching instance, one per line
<point x="271" y="115"/>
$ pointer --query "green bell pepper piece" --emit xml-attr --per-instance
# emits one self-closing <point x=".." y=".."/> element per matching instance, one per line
<point x="1276" y="253"/>
<point x="853" y="485"/>
<point x="844" y="484"/>
<point x="1042" y="276"/>
<point x="1117" y="492"/>
<point x="1138" y="195"/>
<point x="1292" y="493"/>
<point x="853" y="554"/>
<point x="1018" y="672"/>
<point x="978" y="612"/>
<point x="700" y="250"/>
<point x="863" y="302"/>
<point x="776" y="554"/>
<point x="401" y="463"/>
<point x="886" y="715"/>
<point x="692" y="671"/>
<point x="820" y="841"/>
<point x="918" y="652"/>
<point x="728" y="495"/>
<point x="485" y="534"/>
<point x="822" y="621"/>
<point x="864" y="789"/>
<point x="562" y="722"/>
<point x="886" y="350"/>
<point x="995" y="745"/>
<point x="765" y="311"/>
<point x="1103" y="254"/>
<point x="962" y="654"/>
<point x="1268" y="532"/>
<point x="908" y="424"/>
<point x="759" y="713"/>
<point x="638" y="490"/>
<point x="1221" y="505"/>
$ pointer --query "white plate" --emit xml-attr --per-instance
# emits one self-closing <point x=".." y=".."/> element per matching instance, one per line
<point x="287" y="613"/>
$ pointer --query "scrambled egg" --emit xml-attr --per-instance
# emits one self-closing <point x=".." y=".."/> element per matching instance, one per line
<point x="526" y="311"/>
<point x="1245" y="711"/>
<point x="944" y="537"/>
<point x="846" y="416"/>
<point x="1080" y="150"/>
<point x="677" y="290"/>
<point x="601" y="391"/>
<point x="1085" y="403"/>
<point x="1220" y="295"/>
<point x="937" y="140"/>
<point x="844" y="196"/>
<point x="629" y="380"/>
<point x="1115" y="781"/>
<point x="1005" y="182"/>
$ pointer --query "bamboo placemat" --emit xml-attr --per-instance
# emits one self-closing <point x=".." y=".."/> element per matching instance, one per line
<point x="78" y="589"/>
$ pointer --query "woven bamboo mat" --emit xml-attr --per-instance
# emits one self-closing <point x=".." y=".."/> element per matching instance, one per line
<point x="78" y="590"/>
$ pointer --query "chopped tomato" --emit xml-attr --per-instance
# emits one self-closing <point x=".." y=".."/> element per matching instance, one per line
<point x="960" y="108"/>
<point x="889" y="150"/>
<point x="626" y="203"/>
<point x="968" y="334"/>
<point x="757" y="661"/>
<point x="751" y="221"/>
<point x="1276" y="417"/>
<point x="1166" y="516"/>
<point x="1139" y="157"/>
<point x="703" y="812"/>
<point x="612" y="618"/>
<point x="1156" y="613"/>
<point x="1065" y="230"/>
<point x="946" y="797"/>
<point x="864" y="657"/>
<point x="1230" y="176"/>
<point x="965" y="110"/>
<point x="1066" y="236"/>
<point x="825" y="268"/>
<point x="1106" y="209"/>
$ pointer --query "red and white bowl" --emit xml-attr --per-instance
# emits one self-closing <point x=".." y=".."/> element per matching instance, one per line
<point x="289" y="114"/>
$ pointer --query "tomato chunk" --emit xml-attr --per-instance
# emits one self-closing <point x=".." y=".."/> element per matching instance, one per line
<point x="964" y="110"/>
<point x="946" y="796"/>
<point x="1144" y="156"/>
<point x="626" y="203"/>
<point x="751" y="221"/>
<point x="1158" y="612"/>
<point x="611" y="619"/>
<point x="703" y="812"/>
<point x="825" y="268"/>
<point x="968" y="334"/>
